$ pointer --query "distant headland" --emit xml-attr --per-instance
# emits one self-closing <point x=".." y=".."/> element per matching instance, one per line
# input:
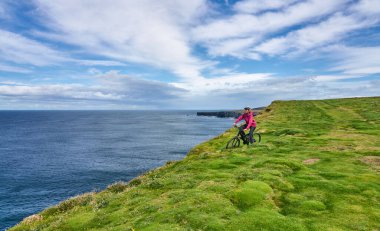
<point x="226" y="114"/>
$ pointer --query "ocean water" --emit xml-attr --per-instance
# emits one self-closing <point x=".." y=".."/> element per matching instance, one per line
<point x="49" y="156"/>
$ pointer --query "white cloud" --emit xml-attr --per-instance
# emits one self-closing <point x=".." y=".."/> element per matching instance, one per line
<point x="107" y="63"/>
<point x="113" y="90"/>
<point x="356" y="60"/>
<point x="257" y="6"/>
<point x="248" y="25"/>
<point x="19" y="49"/>
<point x="137" y="89"/>
<point x="110" y="88"/>
<point x="333" y="78"/>
<point x="46" y="92"/>
<point x="313" y="36"/>
<point x="367" y="7"/>
<point x="236" y="35"/>
<point x="227" y="83"/>
<point x="319" y="23"/>
<point x="166" y="34"/>
<point x="262" y="92"/>
<point x="149" y="32"/>
<point x="15" y="69"/>
<point x="232" y="47"/>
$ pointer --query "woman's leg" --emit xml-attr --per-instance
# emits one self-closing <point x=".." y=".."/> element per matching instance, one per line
<point x="241" y="132"/>
<point x="251" y="135"/>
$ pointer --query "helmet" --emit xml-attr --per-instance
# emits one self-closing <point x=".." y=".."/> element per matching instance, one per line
<point x="247" y="108"/>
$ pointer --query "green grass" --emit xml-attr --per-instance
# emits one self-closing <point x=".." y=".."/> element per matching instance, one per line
<point x="266" y="187"/>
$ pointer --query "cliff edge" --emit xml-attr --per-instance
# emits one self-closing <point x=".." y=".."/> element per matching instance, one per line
<point x="317" y="168"/>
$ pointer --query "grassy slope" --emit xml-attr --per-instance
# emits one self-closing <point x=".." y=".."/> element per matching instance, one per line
<point x="267" y="187"/>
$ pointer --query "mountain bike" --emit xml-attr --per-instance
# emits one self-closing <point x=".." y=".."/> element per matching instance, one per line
<point x="235" y="141"/>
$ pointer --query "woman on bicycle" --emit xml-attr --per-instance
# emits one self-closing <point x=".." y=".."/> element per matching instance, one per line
<point x="250" y="123"/>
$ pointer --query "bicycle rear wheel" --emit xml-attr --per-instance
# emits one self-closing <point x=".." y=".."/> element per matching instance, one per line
<point x="257" y="137"/>
<point x="233" y="143"/>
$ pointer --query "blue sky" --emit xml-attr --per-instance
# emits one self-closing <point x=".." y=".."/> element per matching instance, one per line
<point x="175" y="54"/>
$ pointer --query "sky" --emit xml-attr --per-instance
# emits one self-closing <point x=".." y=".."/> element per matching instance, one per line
<point x="175" y="54"/>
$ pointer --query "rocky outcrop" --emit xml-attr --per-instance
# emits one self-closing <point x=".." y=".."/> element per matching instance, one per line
<point x="221" y="114"/>
<point x="226" y="114"/>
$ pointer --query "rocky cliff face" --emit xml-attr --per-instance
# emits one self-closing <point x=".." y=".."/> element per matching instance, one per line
<point x="233" y="114"/>
<point x="221" y="114"/>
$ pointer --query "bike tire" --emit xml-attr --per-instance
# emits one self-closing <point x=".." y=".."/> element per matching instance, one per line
<point x="236" y="143"/>
<point x="233" y="143"/>
<point x="229" y="143"/>
<point x="257" y="137"/>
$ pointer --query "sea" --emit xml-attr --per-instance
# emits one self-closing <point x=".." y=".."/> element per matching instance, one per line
<point x="49" y="156"/>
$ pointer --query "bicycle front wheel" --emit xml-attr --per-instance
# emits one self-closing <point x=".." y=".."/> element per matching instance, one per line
<point x="233" y="143"/>
<point x="257" y="137"/>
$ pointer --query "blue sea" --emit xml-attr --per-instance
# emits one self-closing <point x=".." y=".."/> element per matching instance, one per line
<point x="49" y="156"/>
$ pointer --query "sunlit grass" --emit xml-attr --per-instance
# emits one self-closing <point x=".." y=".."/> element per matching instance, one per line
<point x="272" y="186"/>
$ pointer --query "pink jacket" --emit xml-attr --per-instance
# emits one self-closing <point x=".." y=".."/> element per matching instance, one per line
<point x="248" y="117"/>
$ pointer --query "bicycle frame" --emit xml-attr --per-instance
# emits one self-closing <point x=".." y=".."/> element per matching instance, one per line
<point x="235" y="141"/>
<point x="240" y="136"/>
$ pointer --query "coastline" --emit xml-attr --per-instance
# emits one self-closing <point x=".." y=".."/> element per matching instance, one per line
<point x="72" y="156"/>
<point x="229" y="113"/>
<point x="288" y="182"/>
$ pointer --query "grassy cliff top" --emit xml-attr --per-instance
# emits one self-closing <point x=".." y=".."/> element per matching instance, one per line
<point x="317" y="168"/>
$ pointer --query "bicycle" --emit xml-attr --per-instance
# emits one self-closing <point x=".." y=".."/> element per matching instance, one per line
<point x="235" y="141"/>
